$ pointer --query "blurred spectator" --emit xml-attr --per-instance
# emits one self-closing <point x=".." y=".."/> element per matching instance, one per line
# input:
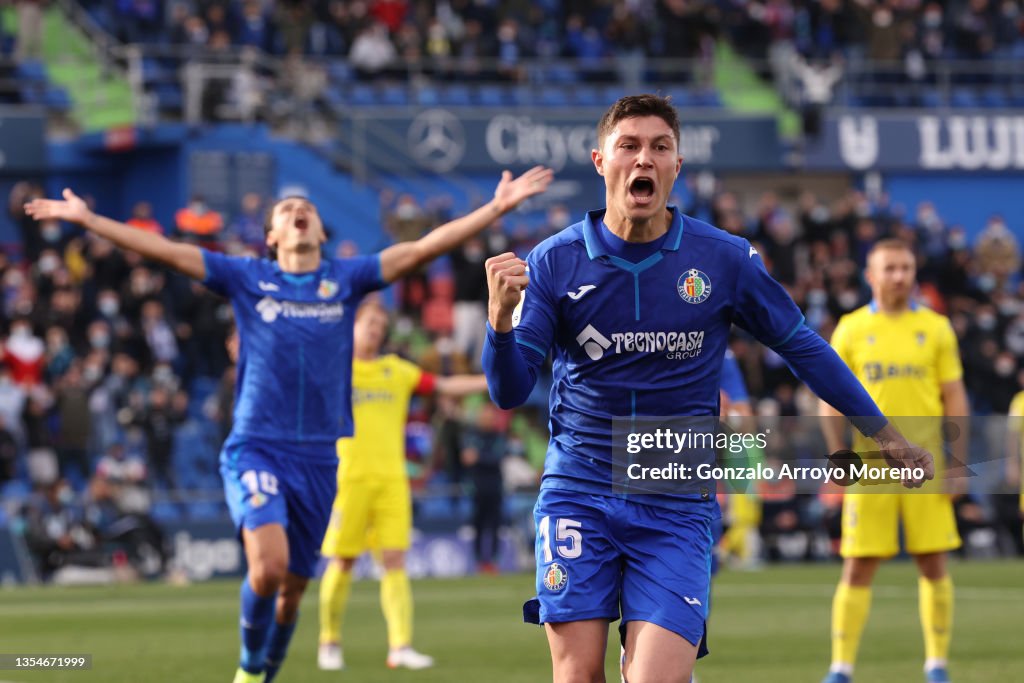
<point x="998" y="252"/>
<point x="120" y="510"/>
<point x="247" y="226"/>
<point x="483" y="450"/>
<point x="158" y="414"/>
<point x="470" y="307"/>
<point x="198" y="222"/>
<point x="24" y="353"/>
<point x="142" y="218"/>
<point x="371" y="51"/>
<point x="406" y="222"/>
<point x="29" y="43"/>
<point x="8" y="453"/>
<point x="31" y="240"/>
<point x="72" y="407"/>
<point x="57" y="532"/>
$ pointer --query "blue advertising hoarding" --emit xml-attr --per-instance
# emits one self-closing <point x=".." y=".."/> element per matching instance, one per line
<point x="439" y="140"/>
<point x="22" y="142"/>
<point x="923" y="141"/>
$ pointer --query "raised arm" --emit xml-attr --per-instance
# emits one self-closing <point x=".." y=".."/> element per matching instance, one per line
<point x="461" y="385"/>
<point x="403" y="258"/>
<point x="185" y="258"/>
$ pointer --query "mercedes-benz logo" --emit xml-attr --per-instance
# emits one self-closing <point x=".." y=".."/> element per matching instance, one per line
<point x="437" y="140"/>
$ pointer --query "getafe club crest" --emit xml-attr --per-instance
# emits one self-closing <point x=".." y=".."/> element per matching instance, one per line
<point x="555" y="577"/>
<point x="694" y="286"/>
<point x="327" y="289"/>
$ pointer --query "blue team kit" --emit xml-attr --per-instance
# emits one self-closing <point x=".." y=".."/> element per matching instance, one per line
<point x="292" y="396"/>
<point x="637" y="336"/>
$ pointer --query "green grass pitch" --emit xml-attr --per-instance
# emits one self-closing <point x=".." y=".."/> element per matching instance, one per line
<point x="769" y="626"/>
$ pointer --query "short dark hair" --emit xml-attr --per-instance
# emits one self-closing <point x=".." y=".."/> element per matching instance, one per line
<point x="633" y="106"/>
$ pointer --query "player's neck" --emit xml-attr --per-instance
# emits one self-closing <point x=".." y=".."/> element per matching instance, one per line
<point x="896" y="307"/>
<point x="365" y="352"/>
<point x="637" y="231"/>
<point x="299" y="261"/>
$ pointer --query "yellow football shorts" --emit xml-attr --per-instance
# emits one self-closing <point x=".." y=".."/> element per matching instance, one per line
<point x="367" y="513"/>
<point x="871" y="523"/>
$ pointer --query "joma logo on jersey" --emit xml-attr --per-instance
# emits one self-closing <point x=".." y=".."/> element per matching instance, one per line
<point x="675" y="345"/>
<point x="271" y="309"/>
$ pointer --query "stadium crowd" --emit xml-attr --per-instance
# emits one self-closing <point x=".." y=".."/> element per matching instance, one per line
<point x="376" y="35"/>
<point x="116" y="387"/>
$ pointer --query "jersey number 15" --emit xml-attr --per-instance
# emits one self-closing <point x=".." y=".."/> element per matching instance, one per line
<point x="568" y="539"/>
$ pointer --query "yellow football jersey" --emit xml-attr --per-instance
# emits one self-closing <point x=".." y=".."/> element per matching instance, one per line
<point x="381" y="389"/>
<point x="902" y="360"/>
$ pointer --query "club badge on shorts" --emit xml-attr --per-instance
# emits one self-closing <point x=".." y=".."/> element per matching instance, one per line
<point x="555" y="577"/>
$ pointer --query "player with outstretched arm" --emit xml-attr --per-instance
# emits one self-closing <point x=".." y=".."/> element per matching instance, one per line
<point x="635" y="302"/>
<point x="294" y="313"/>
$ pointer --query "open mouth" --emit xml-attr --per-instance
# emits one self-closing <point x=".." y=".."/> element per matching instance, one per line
<point x="301" y="223"/>
<point x="641" y="190"/>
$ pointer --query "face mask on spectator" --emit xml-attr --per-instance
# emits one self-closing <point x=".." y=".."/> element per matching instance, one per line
<point x="847" y="300"/>
<point x="91" y="373"/>
<point x="50" y="232"/>
<point x="108" y="307"/>
<point x="20" y="332"/>
<point x="1005" y="367"/>
<point x="65" y="495"/>
<point x="99" y="340"/>
<point x="958" y="241"/>
<point x="48" y="264"/>
<point x="162" y="374"/>
<point x="406" y="211"/>
<point x="987" y="322"/>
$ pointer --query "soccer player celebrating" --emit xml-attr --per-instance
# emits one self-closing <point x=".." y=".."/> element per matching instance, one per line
<point x="295" y="314"/>
<point x="908" y="360"/>
<point x="373" y="489"/>
<point x="636" y="302"/>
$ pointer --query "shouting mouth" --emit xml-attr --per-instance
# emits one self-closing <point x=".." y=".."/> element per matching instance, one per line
<point x="642" y="190"/>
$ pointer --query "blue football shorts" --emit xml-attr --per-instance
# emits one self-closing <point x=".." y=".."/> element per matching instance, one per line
<point x="288" y="484"/>
<point x="606" y="557"/>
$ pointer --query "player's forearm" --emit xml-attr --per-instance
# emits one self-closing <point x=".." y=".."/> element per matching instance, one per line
<point x="402" y="259"/>
<point x="510" y="376"/>
<point x="461" y="385"/>
<point x="186" y="258"/>
<point x="814" y="362"/>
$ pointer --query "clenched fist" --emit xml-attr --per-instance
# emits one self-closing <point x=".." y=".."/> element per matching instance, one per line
<point x="506" y="280"/>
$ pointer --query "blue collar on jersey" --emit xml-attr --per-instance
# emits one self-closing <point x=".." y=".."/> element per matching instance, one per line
<point x="874" y="306"/>
<point x="595" y="245"/>
<point x="300" y="278"/>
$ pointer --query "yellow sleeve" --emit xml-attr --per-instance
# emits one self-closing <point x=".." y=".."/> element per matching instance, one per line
<point x="410" y="375"/>
<point x="949" y="368"/>
<point x="841" y="340"/>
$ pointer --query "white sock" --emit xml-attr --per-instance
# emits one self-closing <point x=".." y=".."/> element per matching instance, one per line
<point x="842" y="668"/>
<point x="930" y="664"/>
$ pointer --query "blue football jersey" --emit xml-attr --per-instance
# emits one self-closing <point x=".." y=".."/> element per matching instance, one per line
<point x="294" y="377"/>
<point x="643" y="339"/>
